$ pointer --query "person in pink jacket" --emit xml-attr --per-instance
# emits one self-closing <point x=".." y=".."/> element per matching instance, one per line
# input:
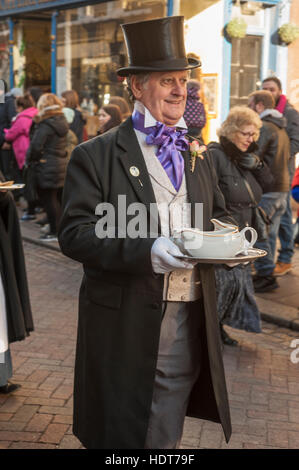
<point x="18" y="133"/>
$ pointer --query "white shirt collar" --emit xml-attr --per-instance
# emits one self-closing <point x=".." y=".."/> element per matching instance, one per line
<point x="150" y="121"/>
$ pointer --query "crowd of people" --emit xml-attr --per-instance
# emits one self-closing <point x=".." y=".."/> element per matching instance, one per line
<point x="254" y="161"/>
<point x="250" y="175"/>
<point x="38" y="132"/>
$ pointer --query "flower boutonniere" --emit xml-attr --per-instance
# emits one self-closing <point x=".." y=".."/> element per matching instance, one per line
<point x="196" y="150"/>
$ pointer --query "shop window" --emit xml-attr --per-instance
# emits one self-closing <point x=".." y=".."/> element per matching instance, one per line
<point x="245" y="68"/>
<point x="90" y="48"/>
<point x="4" y="52"/>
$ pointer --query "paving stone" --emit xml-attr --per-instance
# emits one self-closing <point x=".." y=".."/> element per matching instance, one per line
<point x="18" y="436"/>
<point x="12" y="404"/>
<point x="31" y="445"/>
<point x="54" y="433"/>
<point x="278" y="438"/>
<point x="70" y="442"/>
<point x="5" y="444"/>
<point x="293" y="440"/>
<point x="5" y="416"/>
<point x="39" y="422"/>
<point x="25" y="413"/>
<point x="12" y="425"/>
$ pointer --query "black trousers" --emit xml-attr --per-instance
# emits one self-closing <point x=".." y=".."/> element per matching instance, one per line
<point x="50" y="202"/>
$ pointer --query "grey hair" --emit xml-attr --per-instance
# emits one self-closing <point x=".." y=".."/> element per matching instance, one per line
<point x="142" y="79"/>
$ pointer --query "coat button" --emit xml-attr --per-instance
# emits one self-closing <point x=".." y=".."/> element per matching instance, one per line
<point x="183" y="297"/>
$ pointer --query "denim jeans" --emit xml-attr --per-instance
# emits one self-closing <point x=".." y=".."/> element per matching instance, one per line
<point x="286" y="234"/>
<point x="274" y="204"/>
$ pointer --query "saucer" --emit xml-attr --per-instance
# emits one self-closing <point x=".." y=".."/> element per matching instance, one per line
<point x="253" y="254"/>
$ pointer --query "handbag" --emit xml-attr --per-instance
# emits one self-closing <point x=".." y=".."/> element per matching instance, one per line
<point x="260" y="220"/>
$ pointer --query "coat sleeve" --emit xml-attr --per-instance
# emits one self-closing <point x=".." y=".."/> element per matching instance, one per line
<point x="14" y="131"/>
<point x="267" y="145"/>
<point x="220" y="210"/>
<point x="77" y="233"/>
<point x="293" y="129"/>
<point x="10" y="109"/>
<point x="264" y="177"/>
<point x="36" y="147"/>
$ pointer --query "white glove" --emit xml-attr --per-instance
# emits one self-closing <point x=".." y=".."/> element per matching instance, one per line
<point x="162" y="255"/>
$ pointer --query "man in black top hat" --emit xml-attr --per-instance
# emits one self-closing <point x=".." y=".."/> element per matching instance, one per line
<point x="148" y="346"/>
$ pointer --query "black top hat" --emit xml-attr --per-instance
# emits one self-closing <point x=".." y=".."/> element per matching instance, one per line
<point x="156" y="45"/>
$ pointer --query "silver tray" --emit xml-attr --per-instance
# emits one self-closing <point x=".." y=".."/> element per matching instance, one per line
<point x="253" y="254"/>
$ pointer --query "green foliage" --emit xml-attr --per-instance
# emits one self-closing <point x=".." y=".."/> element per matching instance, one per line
<point x="288" y="32"/>
<point x="236" y="28"/>
<point x="22" y="80"/>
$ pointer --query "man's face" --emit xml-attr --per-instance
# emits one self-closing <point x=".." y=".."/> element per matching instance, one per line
<point x="273" y="88"/>
<point x="164" y="95"/>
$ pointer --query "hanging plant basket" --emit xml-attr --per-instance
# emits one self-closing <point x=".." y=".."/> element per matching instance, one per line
<point x="236" y="28"/>
<point x="288" y="32"/>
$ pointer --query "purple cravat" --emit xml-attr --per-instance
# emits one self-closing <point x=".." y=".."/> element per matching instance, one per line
<point x="170" y="142"/>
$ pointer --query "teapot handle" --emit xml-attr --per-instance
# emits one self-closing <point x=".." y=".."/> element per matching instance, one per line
<point x="253" y="236"/>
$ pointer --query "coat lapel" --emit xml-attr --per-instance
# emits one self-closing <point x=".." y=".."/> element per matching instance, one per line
<point x="194" y="184"/>
<point x="134" y="165"/>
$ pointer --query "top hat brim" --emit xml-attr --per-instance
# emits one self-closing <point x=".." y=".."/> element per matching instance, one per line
<point x="163" y="66"/>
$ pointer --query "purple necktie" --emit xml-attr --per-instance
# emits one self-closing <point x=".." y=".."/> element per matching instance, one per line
<point x="170" y="142"/>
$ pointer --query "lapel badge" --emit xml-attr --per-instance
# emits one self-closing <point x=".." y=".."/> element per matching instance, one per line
<point x="134" y="171"/>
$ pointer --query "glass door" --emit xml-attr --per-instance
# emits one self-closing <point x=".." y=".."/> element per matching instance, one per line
<point x="245" y="68"/>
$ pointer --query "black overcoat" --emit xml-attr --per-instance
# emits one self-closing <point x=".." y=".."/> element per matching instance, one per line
<point x="48" y="151"/>
<point x="120" y="304"/>
<point x="13" y="271"/>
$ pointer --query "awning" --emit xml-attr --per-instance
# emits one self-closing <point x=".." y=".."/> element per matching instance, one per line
<point x="18" y="7"/>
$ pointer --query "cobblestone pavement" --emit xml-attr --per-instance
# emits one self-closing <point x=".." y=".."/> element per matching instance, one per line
<point x="263" y="382"/>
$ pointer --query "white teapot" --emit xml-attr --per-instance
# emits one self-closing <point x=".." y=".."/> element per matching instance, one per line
<point x="224" y="242"/>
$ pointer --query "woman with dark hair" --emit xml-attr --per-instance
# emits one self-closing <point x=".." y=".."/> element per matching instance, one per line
<point x="18" y="136"/>
<point x="123" y="106"/>
<point x="109" y="116"/>
<point x="35" y="92"/>
<point x="70" y="99"/>
<point x="18" y="133"/>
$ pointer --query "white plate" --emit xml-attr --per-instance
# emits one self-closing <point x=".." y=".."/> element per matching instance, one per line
<point x="12" y="186"/>
<point x="253" y="253"/>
